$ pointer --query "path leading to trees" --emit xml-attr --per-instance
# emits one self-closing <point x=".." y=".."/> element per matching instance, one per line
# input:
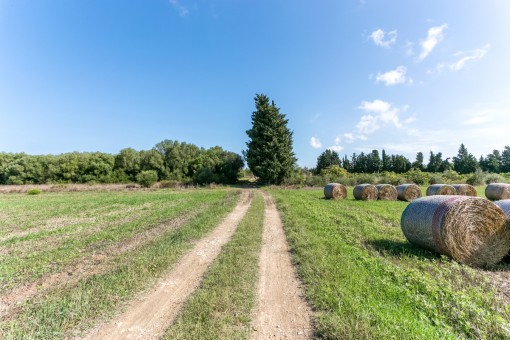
<point x="149" y="316"/>
<point x="281" y="311"/>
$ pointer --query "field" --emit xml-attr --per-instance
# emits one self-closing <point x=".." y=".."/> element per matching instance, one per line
<point x="70" y="261"/>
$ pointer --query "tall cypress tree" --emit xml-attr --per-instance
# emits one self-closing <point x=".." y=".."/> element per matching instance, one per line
<point x="269" y="155"/>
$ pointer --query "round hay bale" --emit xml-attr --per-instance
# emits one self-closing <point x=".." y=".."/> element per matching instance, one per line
<point x="505" y="206"/>
<point x="471" y="230"/>
<point x="497" y="191"/>
<point x="408" y="192"/>
<point x="386" y="192"/>
<point x="335" y="191"/>
<point x="440" y="189"/>
<point x="465" y="190"/>
<point x="365" y="192"/>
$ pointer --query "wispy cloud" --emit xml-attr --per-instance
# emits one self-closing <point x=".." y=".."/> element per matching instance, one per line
<point x="336" y="147"/>
<point x="378" y="113"/>
<point x="434" y="37"/>
<point x="349" y="137"/>
<point x="183" y="11"/>
<point x="315" y="143"/>
<point x="464" y="58"/>
<point x="384" y="39"/>
<point x="394" y="77"/>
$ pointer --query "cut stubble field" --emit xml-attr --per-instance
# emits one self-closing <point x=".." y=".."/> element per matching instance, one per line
<point x="76" y="264"/>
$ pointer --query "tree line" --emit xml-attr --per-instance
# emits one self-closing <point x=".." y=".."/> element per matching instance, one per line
<point x="463" y="163"/>
<point x="168" y="160"/>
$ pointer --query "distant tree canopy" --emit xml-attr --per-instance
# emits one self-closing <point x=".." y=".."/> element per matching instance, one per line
<point x="463" y="163"/>
<point x="168" y="160"/>
<point x="269" y="155"/>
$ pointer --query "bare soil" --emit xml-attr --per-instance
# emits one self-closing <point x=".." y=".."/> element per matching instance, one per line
<point x="282" y="311"/>
<point x="148" y="316"/>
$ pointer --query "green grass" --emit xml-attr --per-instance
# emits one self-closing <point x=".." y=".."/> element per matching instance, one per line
<point x="65" y="311"/>
<point x="366" y="281"/>
<point x="221" y="307"/>
<point x="88" y="222"/>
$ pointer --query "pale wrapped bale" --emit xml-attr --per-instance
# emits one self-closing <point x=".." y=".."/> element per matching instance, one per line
<point x="465" y="190"/>
<point x="386" y="192"/>
<point x="440" y="189"/>
<point x="335" y="191"/>
<point x="497" y="191"/>
<point x="365" y="192"/>
<point x="408" y="192"/>
<point x="505" y="206"/>
<point x="471" y="230"/>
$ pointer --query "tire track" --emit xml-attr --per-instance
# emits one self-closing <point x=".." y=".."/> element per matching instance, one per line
<point x="149" y="316"/>
<point x="281" y="311"/>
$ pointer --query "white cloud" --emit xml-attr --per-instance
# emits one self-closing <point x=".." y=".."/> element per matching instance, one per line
<point x="338" y="140"/>
<point x="336" y="148"/>
<point x="394" y="77"/>
<point x="183" y="11"/>
<point x="469" y="56"/>
<point x="315" y="143"/>
<point x="434" y="37"/>
<point x="384" y="39"/>
<point x="349" y="137"/>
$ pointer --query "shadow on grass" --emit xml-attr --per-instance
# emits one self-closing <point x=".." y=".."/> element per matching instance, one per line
<point x="400" y="248"/>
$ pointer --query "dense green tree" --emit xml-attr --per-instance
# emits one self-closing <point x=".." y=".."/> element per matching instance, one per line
<point x="505" y="159"/>
<point x="464" y="162"/>
<point x="418" y="163"/>
<point x="385" y="161"/>
<point x="326" y="159"/>
<point x="269" y="155"/>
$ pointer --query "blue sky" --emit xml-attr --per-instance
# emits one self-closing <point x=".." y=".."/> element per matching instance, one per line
<point x="406" y="76"/>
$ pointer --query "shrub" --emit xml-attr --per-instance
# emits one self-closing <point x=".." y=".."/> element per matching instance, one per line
<point x="494" y="178"/>
<point x="477" y="178"/>
<point x="147" y="178"/>
<point x="34" y="191"/>
<point x="417" y="176"/>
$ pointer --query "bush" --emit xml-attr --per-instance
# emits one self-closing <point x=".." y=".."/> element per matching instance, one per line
<point x="494" y="178"/>
<point x="34" y="191"/>
<point x="417" y="176"/>
<point x="147" y="178"/>
<point x="389" y="177"/>
<point x="478" y="178"/>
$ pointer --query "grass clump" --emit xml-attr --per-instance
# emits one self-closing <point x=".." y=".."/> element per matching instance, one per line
<point x="34" y="191"/>
<point x="221" y="307"/>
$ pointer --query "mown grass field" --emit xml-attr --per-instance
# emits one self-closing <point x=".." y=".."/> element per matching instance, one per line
<point x="119" y="242"/>
<point x="366" y="281"/>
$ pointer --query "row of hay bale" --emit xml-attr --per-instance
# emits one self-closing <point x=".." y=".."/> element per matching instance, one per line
<point x="493" y="191"/>
<point x="369" y="192"/>
<point x="472" y="230"/>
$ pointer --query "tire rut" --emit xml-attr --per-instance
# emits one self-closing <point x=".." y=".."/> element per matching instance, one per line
<point x="147" y="317"/>
<point x="281" y="311"/>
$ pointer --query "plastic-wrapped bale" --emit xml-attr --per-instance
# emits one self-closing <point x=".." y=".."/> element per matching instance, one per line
<point x="365" y="192"/>
<point x="335" y="191"/>
<point x="408" y="192"/>
<point x="465" y="189"/>
<point x="386" y="192"/>
<point x="471" y="230"/>
<point x="505" y="206"/>
<point x="441" y="189"/>
<point x="497" y="191"/>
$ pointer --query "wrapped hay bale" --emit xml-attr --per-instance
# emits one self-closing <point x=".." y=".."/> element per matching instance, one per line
<point x="365" y="192"/>
<point x="472" y="230"/>
<point x="408" y="192"/>
<point x="497" y="191"/>
<point x="440" y="189"/>
<point x="386" y="192"/>
<point x="335" y="191"/>
<point x="505" y="206"/>
<point x="465" y="189"/>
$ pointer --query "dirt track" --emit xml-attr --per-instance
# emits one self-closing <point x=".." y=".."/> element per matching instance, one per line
<point x="281" y="312"/>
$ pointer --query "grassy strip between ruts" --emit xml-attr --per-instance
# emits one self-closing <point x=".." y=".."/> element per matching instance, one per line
<point x="221" y="307"/>
<point x="366" y="281"/>
<point x="68" y="311"/>
<point x="33" y="257"/>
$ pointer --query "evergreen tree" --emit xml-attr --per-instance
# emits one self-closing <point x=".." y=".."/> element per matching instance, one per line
<point x="505" y="159"/>
<point x="386" y="161"/>
<point x="326" y="159"/>
<point x="269" y="156"/>
<point x="418" y="164"/>
<point x="464" y="162"/>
